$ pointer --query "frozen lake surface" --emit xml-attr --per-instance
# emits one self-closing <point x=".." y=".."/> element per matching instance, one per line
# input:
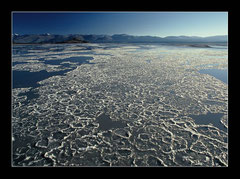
<point x="119" y="105"/>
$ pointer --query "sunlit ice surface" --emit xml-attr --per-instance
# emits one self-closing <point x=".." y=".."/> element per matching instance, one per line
<point x="119" y="105"/>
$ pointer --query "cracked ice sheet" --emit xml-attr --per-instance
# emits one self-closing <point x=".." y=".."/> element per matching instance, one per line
<point x="154" y="100"/>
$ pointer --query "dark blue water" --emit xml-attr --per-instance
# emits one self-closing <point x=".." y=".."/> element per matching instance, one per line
<point x="15" y="63"/>
<point x="213" y="118"/>
<point x="105" y="123"/>
<point x="78" y="60"/>
<point x="25" y="79"/>
<point x="217" y="73"/>
<point x="148" y="61"/>
<point x="31" y="94"/>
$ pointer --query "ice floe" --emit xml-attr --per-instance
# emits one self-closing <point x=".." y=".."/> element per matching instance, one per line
<point x="119" y="109"/>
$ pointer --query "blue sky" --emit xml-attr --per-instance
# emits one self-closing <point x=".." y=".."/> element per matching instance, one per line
<point x="133" y="23"/>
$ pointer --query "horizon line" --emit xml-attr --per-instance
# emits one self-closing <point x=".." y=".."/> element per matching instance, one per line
<point x="123" y="34"/>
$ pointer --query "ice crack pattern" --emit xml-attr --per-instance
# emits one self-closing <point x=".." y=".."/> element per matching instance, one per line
<point x="121" y="105"/>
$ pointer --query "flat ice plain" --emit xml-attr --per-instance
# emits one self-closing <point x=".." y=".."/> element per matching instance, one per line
<point x="118" y="105"/>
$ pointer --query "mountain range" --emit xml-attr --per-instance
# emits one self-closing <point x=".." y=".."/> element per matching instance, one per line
<point x="116" y="38"/>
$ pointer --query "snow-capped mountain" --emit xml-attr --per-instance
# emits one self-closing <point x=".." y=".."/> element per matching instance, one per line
<point x="116" y="38"/>
<point x="47" y="38"/>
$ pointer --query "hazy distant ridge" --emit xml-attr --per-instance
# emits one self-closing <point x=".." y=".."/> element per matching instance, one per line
<point x="117" y="38"/>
